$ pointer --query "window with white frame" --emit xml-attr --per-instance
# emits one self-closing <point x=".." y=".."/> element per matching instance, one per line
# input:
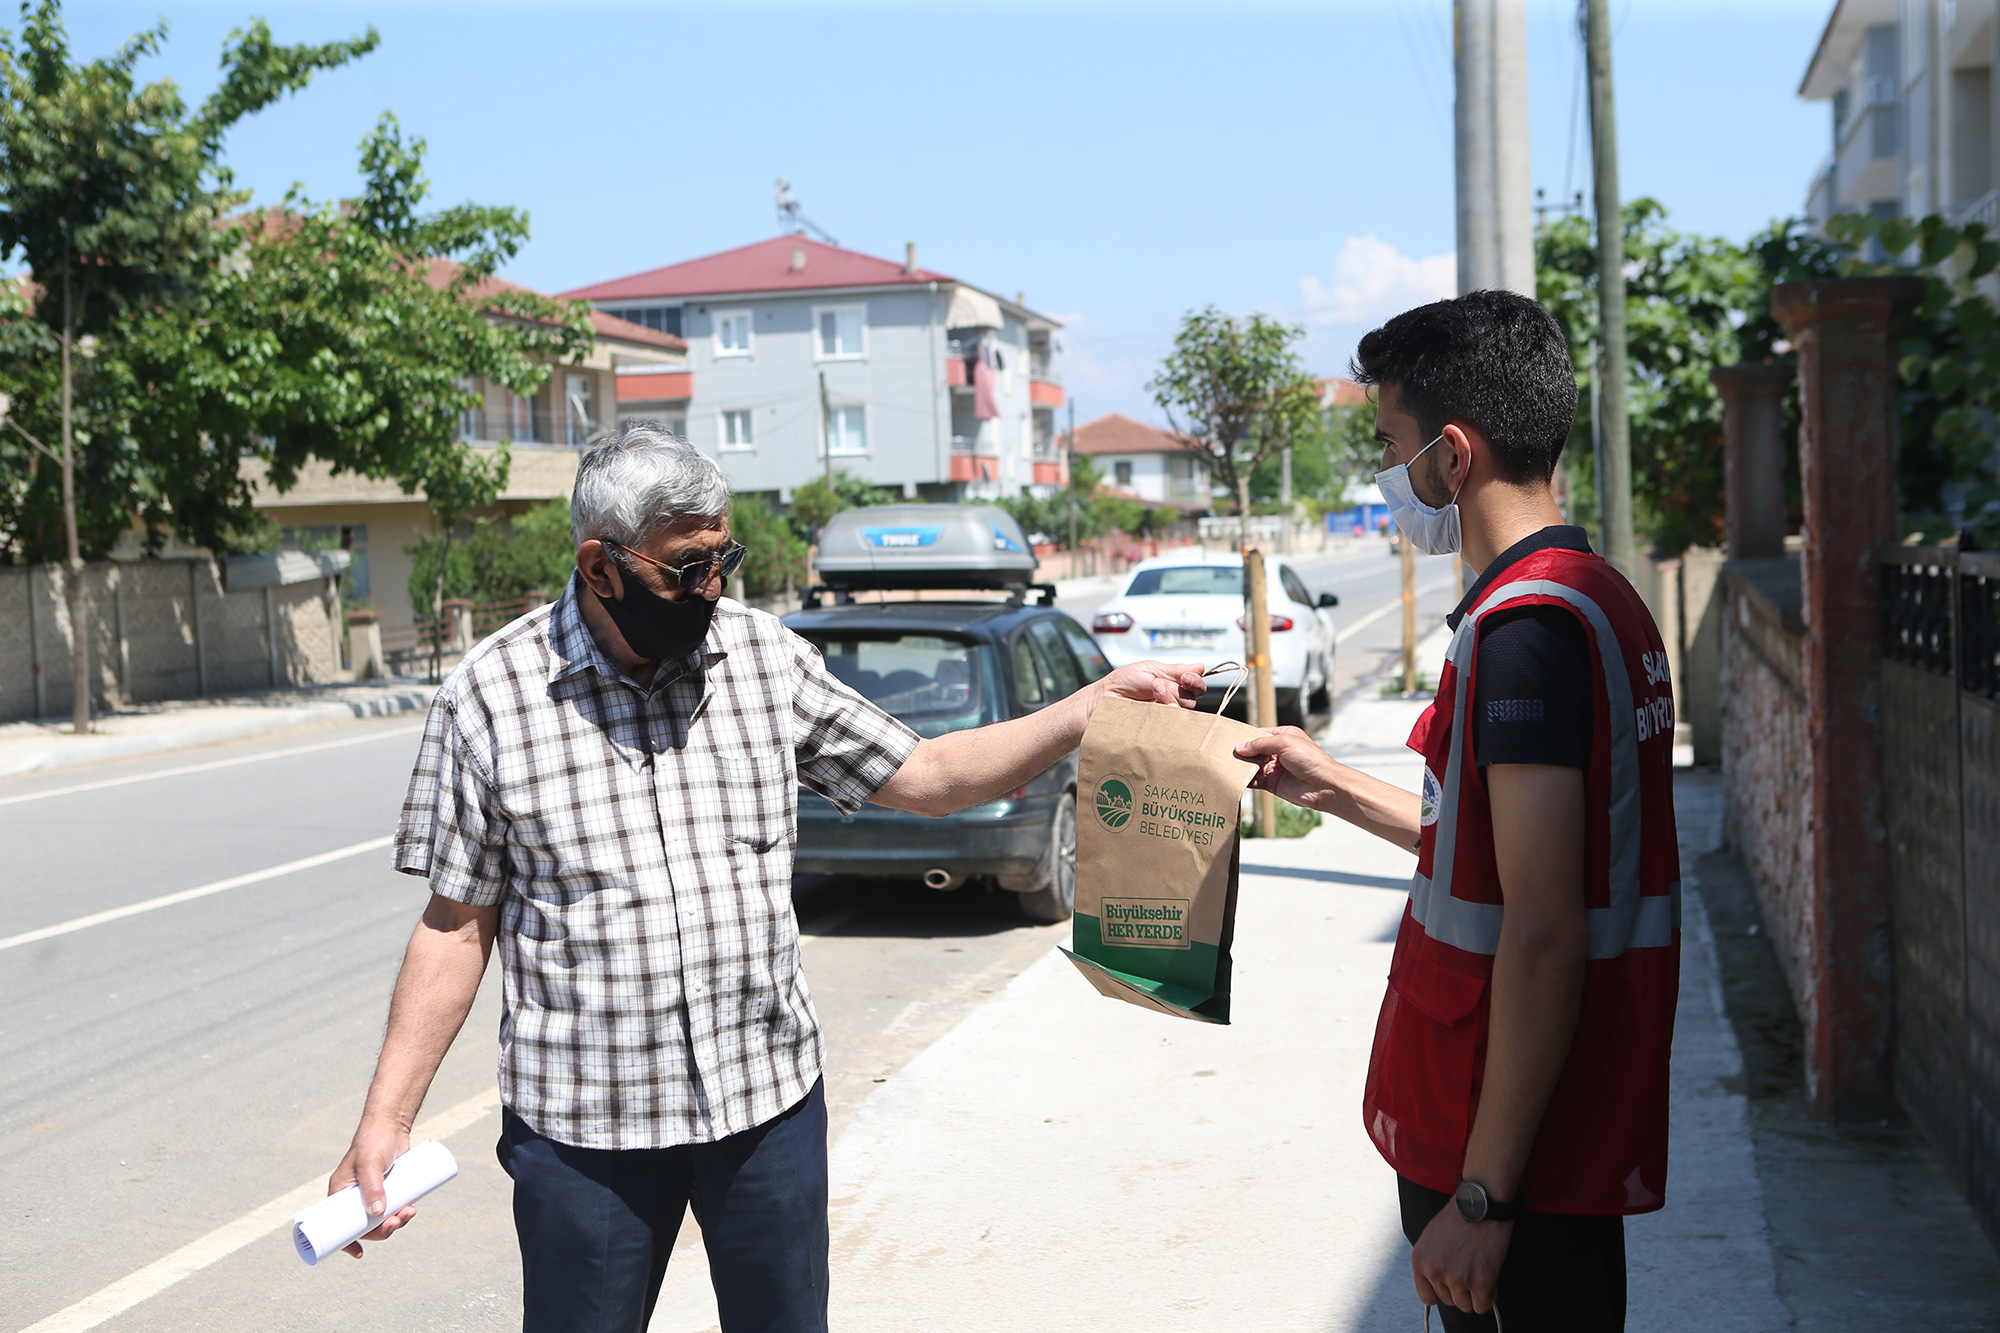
<point x="847" y="430"/>
<point x="736" y="428"/>
<point x="732" y="333"/>
<point x="839" y="331"/>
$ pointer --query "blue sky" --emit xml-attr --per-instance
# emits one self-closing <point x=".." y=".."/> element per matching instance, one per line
<point x="1118" y="163"/>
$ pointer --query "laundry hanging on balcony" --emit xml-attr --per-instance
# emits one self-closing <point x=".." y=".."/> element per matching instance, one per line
<point x="985" y="401"/>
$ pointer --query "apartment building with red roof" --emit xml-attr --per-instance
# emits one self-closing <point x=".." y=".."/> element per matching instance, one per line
<point x="798" y="349"/>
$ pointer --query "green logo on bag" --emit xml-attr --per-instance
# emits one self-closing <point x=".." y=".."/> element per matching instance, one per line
<point x="1114" y="802"/>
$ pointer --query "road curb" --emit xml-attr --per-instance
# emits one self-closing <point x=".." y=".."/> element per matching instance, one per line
<point x="47" y="749"/>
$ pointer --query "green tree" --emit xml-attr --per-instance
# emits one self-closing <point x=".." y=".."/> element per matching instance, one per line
<point x="499" y="559"/>
<point x="1948" y="465"/>
<point x="111" y="193"/>
<point x="1693" y="303"/>
<point x="777" y="552"/>
<point x="1237" y="389"/>
<point x="815" y="502"/>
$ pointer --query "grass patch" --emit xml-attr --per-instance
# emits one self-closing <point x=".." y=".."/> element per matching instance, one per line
<point x="1293" y="822"/>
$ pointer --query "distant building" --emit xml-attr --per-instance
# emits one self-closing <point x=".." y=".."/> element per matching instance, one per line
<point x="1910" y="86"/>
<point x="1148" y="464"/>
<point x="1338" y="392"/>
<point x="908" y="377"/>
<point x="375" y="521"/>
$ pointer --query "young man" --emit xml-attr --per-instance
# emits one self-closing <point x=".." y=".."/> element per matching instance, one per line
<point x="1519" y="1079"/>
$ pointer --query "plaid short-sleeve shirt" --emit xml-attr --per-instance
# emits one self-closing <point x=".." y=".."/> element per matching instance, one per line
<point x="639" y="844"/>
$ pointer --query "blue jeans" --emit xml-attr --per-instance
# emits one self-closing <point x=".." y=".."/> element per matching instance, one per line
<point x="597" y="1225"/>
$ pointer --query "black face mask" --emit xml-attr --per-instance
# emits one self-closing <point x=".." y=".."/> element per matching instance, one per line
<point x="654" y="627"/>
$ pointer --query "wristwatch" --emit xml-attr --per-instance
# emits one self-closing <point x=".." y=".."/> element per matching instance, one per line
<point x="1476" y="1205"/>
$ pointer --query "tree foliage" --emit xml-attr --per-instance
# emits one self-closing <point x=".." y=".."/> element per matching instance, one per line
<point x="112" y="193"/>
<point x="1236" y="387"/>
<point x="497" y="560"/>
<point x="222" y="340"/>
<point x="1693" y="303"/>
<point x="777" y="550"/>
<point x="1949" y="363"/>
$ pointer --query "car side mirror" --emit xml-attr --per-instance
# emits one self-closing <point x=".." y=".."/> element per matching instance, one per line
<point x="1327" y="599"/>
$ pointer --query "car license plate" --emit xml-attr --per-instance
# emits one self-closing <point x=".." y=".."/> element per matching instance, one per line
<point x="1183" y="638"/>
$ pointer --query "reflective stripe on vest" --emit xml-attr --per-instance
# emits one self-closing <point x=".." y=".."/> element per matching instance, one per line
<point x="1630" y="921"/>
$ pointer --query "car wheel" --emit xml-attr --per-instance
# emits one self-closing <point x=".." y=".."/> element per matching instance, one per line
<point x="1291" y="708"/>
<point x="1322" y="698"/>
<point x="1054" y="897"/>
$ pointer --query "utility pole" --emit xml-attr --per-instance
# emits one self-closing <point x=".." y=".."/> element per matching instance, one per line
<point x="1264" y="693"/>
<point x="1409" y="550"/>
<point x="826" y="431"/>
<point x="1496" y="214"/>
<point x="79" y="602"/>
<point x="1069" y="473"/>
<point x="1615" y="453"/>
<point x="1285" y="499"/>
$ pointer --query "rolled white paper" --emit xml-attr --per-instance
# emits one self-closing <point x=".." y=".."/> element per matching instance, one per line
<point x="340" y="1219"/>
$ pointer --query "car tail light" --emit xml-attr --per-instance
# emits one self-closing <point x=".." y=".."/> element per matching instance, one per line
<point x="1111" y="622"/>
<point x="1279" y="624"/>
<point x="1015" y="794"/>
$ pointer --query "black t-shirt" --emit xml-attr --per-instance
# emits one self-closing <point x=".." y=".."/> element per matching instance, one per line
<point x="1531" y="692"/>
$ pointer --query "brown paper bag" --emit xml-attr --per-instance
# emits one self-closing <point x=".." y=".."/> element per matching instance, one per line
<point x="1160" y="795"/>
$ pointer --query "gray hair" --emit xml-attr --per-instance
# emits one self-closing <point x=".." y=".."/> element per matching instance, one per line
<point x="641" y="478"/>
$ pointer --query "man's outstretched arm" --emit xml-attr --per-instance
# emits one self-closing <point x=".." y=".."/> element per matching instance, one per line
<point x="434" y="992"/>
<point x="961" y="768"/>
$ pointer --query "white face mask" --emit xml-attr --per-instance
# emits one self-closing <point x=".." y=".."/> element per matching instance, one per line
<point x="1432" y="531"/>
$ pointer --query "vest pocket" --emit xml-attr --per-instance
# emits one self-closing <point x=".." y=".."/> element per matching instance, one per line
<point x="1431" y="1041"/>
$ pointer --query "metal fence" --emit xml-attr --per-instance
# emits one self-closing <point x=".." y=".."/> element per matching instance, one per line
<point x="1941" y="776"/>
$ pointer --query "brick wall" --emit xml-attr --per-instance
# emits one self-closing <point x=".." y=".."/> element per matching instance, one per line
<point x="1767" y="762"/>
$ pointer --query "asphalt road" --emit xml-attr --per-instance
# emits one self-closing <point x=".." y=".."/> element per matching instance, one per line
<point x="172" y="1071"/>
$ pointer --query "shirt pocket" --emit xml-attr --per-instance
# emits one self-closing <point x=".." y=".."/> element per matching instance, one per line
<point x="757" y="797"/>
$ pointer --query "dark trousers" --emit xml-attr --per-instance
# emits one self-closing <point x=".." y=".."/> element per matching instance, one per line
<point x="597" y="1225"/>
<point x="1564" y="1273"/>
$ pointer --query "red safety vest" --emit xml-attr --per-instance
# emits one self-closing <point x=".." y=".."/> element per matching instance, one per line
<point x="1603" y="1141"/>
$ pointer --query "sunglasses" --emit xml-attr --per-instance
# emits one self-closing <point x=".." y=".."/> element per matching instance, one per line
<point x="698" y="571"/>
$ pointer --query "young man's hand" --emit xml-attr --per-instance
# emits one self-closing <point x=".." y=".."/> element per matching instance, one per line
<point x="1291" y="767"/>
<point x="1457" y="1262"/>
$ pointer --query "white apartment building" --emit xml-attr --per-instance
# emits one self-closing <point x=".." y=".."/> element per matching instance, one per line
<point x="908" y="377"/>
<point x="1910" y="87"/>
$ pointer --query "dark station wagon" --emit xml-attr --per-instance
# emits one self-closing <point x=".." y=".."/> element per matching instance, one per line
<point x="946" y="666"/>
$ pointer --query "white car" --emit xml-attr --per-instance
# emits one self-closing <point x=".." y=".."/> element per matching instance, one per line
<point x="1189" y="608"/>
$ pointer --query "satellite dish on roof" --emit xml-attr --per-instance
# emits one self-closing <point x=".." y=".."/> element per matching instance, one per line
<point x="792" y="222"/>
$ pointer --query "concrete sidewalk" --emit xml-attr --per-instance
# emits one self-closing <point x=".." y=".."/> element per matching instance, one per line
<point x="47" y="745"/>
<point x="1061" y="1161"/>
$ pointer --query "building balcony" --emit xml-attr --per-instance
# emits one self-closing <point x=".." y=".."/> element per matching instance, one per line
<point x="1985" y="209"/>
<point x="956" y="375"/>
<point x="1044" y="393"/>
<point x="1867" y="164"/>
<point x="655" y="386"/>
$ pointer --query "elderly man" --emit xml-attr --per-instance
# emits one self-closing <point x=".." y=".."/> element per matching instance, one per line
<point x="608" y="787"/>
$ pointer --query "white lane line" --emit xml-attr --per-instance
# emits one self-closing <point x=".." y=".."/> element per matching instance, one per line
<point x="1381" y="611"/>
<point x="230" y="1237"/>
<point x="189" y="895"/>
<point x="185" y="769"/>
